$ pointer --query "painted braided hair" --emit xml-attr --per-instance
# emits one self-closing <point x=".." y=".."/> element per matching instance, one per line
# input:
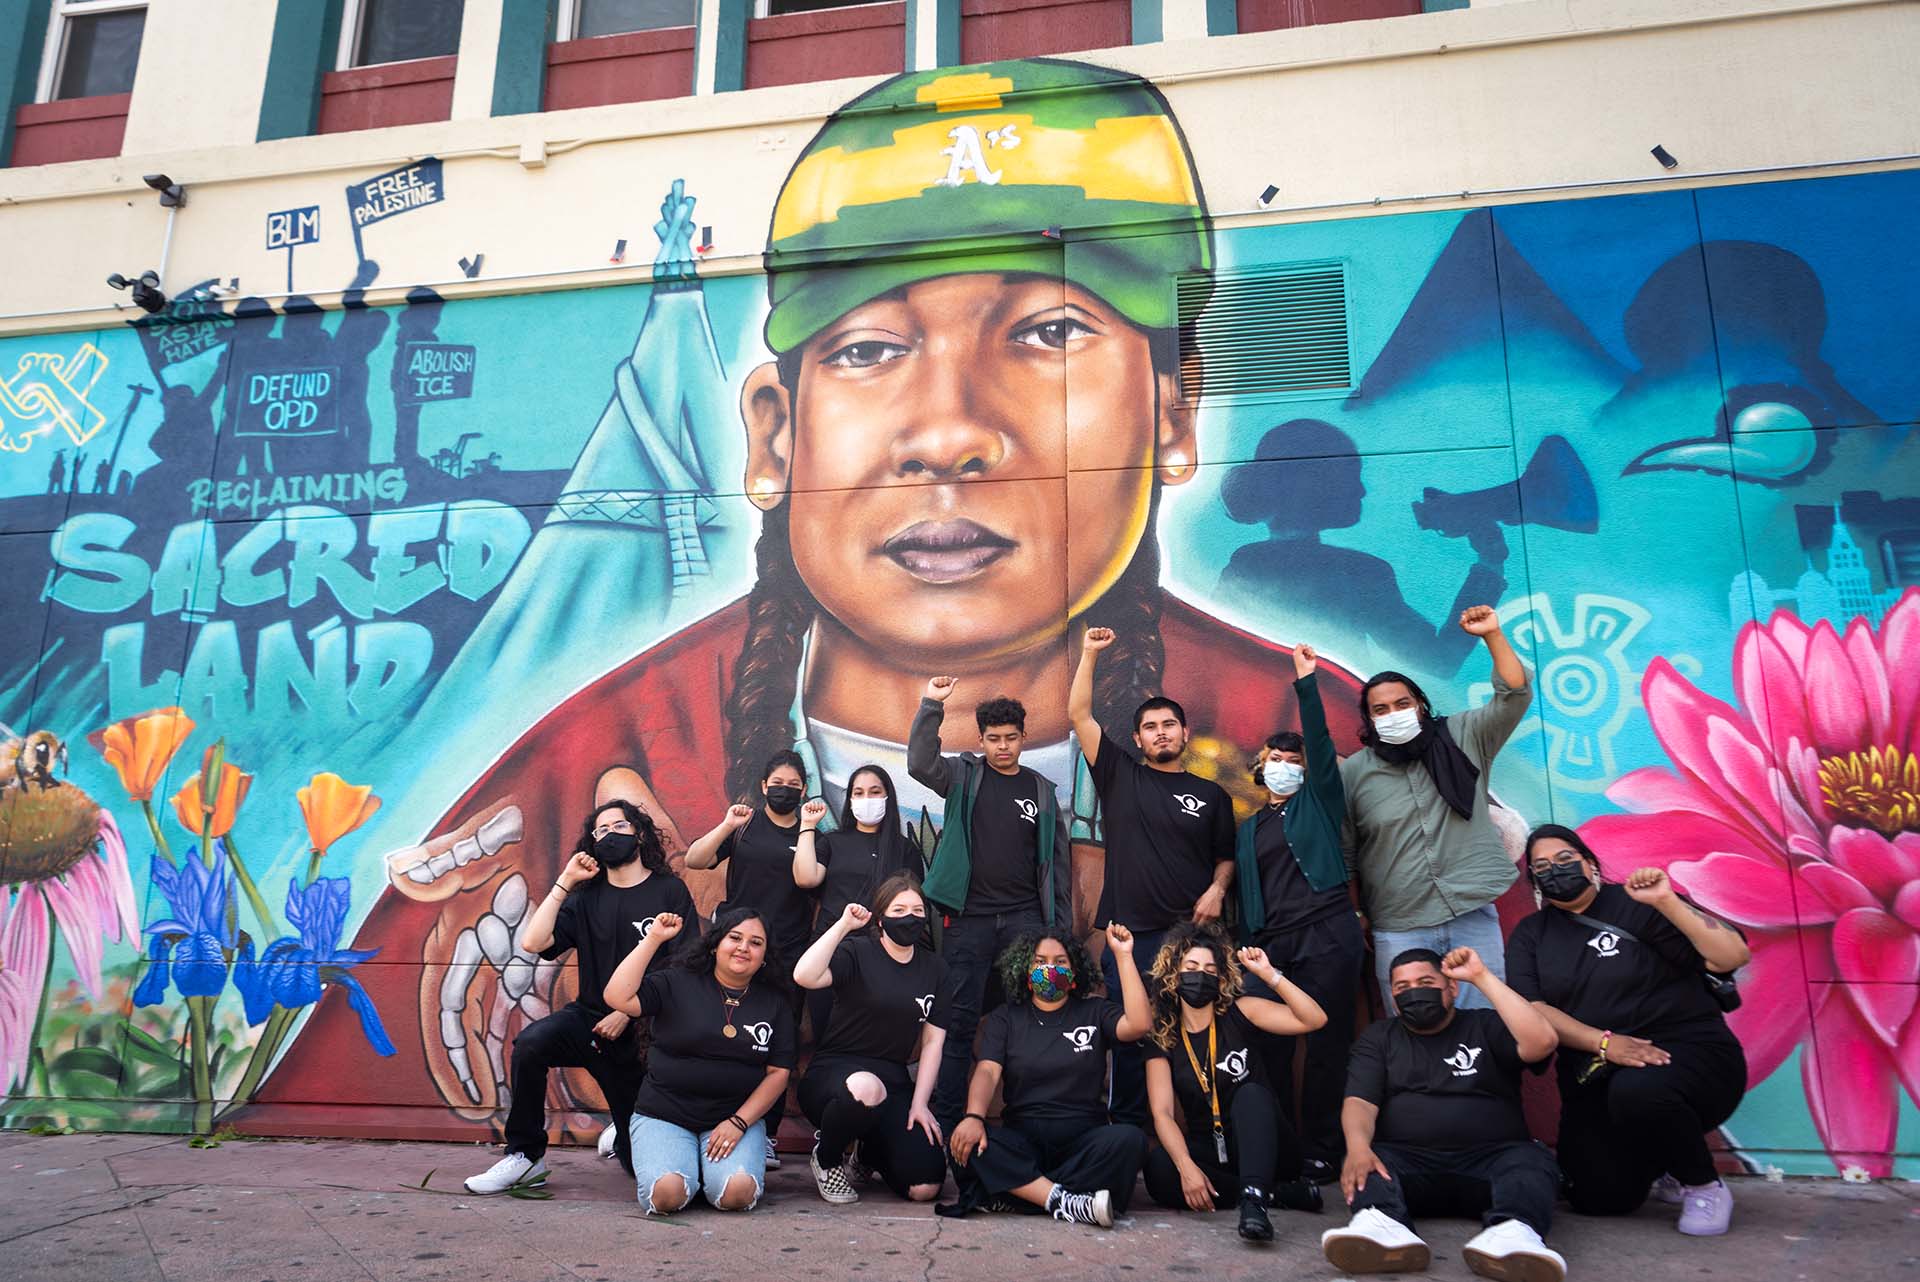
<point x="1163" y="988"/>
<point x="780" y="610"/>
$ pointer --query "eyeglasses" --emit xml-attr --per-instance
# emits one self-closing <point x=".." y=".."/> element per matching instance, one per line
<point x="1562" y="860"/>
<point x="618" y="825"/>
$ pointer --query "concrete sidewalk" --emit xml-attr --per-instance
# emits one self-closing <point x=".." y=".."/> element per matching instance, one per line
<point x="130" y="1208"/>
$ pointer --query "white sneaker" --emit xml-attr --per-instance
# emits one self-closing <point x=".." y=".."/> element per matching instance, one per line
<point x="773" y="1155"/>
<point x="511" y="1170"/>
<point x="1666" y="1189"/>
<point x="1512" y="1252"/>
<point x="608" y="1138"/>
<point x="1082" y="1208"/>
<point x="1375" y="1242"/>
<point x="1706" y="1210"/>
<point x="830" y="1180"/>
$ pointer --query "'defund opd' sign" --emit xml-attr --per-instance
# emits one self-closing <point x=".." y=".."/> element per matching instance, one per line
<point x="289" y="402"/>
<point x="395" y="192"/>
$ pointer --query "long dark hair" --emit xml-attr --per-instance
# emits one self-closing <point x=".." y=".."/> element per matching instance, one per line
<point x="891" y="889"/>
<point x="774" y="969"/>
<point x="646" y="835"/>
<point x="1563" y="833"/>
<point x="1368" y="735"/>
<point x="780" y="609"/>
<point x="1015" y="964"/>
<point x="894" y="849"/>
<point x="1164" y="989"/>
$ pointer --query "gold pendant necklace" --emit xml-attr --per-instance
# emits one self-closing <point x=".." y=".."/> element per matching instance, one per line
<point x="732" y="1004"/>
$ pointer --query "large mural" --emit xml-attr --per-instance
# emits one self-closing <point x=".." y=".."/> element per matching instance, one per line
<point x="324" y="626"/>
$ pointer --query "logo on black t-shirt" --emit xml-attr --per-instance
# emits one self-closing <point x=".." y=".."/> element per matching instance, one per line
<point x="926" y="1006"/>
<point x="1189" y="804"/>
<point x="1029" y="811"/>
<point x="1605" y="944"/>
<point x="1234" y="1065"/>
<point x="1081" y="1037"/>
<point x="1464" y="1060"/>
<point x="762" y="1034"/>
<point x="645" y="925"/>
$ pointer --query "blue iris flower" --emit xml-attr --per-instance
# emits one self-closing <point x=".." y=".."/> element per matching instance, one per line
<point x="292" y="972"/>
<point x="190" y="947"/>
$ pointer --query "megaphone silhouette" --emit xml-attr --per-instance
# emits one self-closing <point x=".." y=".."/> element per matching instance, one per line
<point x="1555" y="491"/>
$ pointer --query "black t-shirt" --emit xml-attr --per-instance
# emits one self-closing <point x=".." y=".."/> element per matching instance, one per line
<point x="602" y="923"/>
<point x="1291" y="901"/>
<point x="1164" y="833"/>
<point x="697" y="1076"/>
<point x="879" y="1004"/>
<point x="1650" y="989"/>
<point x="1235" y="1063"/>
<point x="759" y="862"/>
<point x="1457" y="1088"/>
<point x="1054" y="1063"/>
<point x="1006" y="827"/>
<point x="856" y="863"/>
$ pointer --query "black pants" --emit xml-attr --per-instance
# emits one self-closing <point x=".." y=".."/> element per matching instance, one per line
<point x="1516" y="1180"/>
<point x="1326" y="959"/>
<point x="1127" y="1095"/>
<point x="1082" y="1156"/>
<point x="970" y="945"/>
<point x="1261" y="1149"/>
<point x="902" y="1158"/>
<point x="565" y="1039"/>
<point x="1622" y="1132"/>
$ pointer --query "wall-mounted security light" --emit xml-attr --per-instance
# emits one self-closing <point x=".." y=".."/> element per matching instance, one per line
<point x="172" y="194"/>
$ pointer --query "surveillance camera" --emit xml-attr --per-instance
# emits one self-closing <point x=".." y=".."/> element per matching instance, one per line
<point x="117" y="281"/>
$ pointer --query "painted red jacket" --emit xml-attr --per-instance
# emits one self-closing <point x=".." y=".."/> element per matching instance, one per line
<point x="661" y="714"/>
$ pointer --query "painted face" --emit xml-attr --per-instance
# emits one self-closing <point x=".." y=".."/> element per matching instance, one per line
<point x="741" y="952"/>
<point x="926" y="452"/>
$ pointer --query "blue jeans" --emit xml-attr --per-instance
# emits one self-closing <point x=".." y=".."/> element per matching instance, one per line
<point x="661" y="1148"/>
<point x="1127" y="1097"/>
<point x="1478" y="930"/>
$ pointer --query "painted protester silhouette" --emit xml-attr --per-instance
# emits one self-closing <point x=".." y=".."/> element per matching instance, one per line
<point x="916" y="405"/>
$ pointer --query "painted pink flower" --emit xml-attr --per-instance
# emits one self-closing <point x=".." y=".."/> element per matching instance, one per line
<point x="1797" y="815"/>
<point x="92" y="902"/>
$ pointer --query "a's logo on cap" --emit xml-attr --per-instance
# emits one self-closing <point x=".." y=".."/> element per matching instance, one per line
<point x="966" y="155"/>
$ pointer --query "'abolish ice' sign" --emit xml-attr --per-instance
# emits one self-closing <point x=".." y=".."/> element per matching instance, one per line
<point x="436" y="372"/>
<point x="289" y="402"/>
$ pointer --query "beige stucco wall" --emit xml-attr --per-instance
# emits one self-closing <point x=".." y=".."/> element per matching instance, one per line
<point x="1516" y="98"/>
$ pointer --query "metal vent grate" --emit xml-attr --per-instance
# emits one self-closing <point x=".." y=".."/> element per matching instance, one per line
<point x="1268" y="331"/>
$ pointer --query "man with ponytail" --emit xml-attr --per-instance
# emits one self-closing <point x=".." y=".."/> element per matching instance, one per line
<point x="950" y="393"/>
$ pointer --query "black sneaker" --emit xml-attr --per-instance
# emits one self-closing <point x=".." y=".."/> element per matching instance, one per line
<point x="1297" y="1195"/>
<point x="1254" y="1224"/>
<point x="1081" y="1208"/>
<point x="1318" y="1172"/>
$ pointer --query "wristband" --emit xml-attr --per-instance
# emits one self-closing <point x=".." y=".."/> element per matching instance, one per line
<point x="975" y="1116"/>
<point x="735" y="1119"/>
<point x="1605" y="1038"/>
<point x="564" y="890"/>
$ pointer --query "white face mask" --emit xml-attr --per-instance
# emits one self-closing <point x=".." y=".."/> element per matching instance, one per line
<point x="1398" y="727"/>
<point x="1283" y="778"/>
<point x="869" y="810"/>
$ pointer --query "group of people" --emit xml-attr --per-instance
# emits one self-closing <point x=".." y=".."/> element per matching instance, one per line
<point x="961" y="1025"/>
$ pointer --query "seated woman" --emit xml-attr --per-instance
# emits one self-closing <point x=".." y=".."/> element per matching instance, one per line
<point x="1647" y="1062"/>
<point x="723" y="1047"/>
<point x="856" y="1088"/>
<point x="1055" y="1148"/>
<point x="1204" y="1064"/>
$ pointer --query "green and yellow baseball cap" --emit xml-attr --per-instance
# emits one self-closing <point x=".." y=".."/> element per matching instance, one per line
<point x="963" y="169"/>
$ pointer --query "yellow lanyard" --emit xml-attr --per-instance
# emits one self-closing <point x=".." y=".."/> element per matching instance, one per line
<point x="1207" y="1083"/>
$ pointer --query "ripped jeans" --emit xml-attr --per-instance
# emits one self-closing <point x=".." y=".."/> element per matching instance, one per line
<point x="661" y="1148"/>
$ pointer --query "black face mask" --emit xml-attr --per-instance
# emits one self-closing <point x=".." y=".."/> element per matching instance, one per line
<point x="904" y="930"/>
<point x="1197" y="988"/>
<point x="616" y="849"/>
<point x="1563" y="883"/>
<point x="782" y="799"/>
<point x="1422" y="1008"/>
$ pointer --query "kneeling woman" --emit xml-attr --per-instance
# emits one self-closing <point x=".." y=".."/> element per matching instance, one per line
<point x="856" y="1088"/>
<point x="1203" y="1065"/>
<point x="1647" y="1063"/>
<point x="1054" y="1148"/>
<point x="723" y="1047"/>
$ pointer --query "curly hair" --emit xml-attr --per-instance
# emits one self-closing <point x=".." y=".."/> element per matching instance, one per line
<point x="1164" y="989"/>
<point x="646" y="834"/>
<point x="774" y="969"/>
<point x="1015" y="963"/>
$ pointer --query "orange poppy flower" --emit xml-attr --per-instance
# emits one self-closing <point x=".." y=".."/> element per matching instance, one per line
<point x="193" y="810"/>
<point x="139" y="748"/>
<point x="333" y="808"/>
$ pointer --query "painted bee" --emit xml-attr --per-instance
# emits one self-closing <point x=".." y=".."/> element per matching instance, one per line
<point x="27" y="761"/>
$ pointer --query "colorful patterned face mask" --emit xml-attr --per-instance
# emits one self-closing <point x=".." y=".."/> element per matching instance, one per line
<point x="1050" y="983"/>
